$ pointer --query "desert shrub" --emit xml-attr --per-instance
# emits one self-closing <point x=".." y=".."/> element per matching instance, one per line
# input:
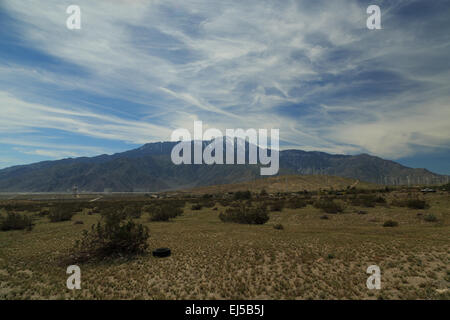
<point x="277" y="206"/>
<point x="324" y="217"/>
<point x="133" y="211"/>
<point x="196" y="207"/>
<point x="112" y="236"/>
<point x="430" y="218"/>
<point x="179" y="203"/>
<point x="445" y="187"/>
<point x="380" y="200"/>
<point x="263" y="193"/>
<point x="242" y="195"/>
<point x="113" y="210"/>
<point x="61" y="213"/>
<point x="208" y="204"/>
<point x="224" y="203"/>
<point x="296" y="203"/>
<point x="15" y="207"/>
<point x="95" y="210"/>
<point x="164" y="212"/>
<point x="245" y="215"/>
<point x="328" y="206"/>
<point x="367" y="200"/>
<point x="235" y="204"/>
<point x="417" y="204"/>
<point x="399" y="202"/>
<point x="159" y="215"/>
<point x="15" y="221"/>
<point x="361" y="191"/>
<point x="44" y="212"/>
<point x="390" y="223"/>
<point x="278" y="226"/>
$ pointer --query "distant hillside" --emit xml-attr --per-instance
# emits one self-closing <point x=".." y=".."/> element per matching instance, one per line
<point x="288" y="183"/>
<point x="149" y="168"/>
<point x="363" y="167"/>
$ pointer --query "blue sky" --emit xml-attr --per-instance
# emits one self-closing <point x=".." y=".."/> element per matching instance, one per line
<point x="137" y="70"/>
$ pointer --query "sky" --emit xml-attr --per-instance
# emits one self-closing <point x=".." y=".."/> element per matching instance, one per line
<point x="137" y="70"/>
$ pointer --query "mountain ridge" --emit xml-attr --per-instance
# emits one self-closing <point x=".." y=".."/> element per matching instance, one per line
<point x="149" y="168"/>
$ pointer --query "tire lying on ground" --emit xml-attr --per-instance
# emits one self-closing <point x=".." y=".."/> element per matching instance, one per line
<point x="161" y="252"/>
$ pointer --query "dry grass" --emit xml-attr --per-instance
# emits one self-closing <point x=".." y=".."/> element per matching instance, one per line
<point x="287" y="183"/>
<point x="310" y="259"/>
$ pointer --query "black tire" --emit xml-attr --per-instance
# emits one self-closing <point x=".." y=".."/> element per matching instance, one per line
<point x="162" y="252"/>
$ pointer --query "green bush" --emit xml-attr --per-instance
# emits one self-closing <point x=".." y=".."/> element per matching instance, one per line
<point x="390" y="223"/>
<point x="367" y="200"/>
<point x="61" y="213"/>
<point x="96" y="210"/>
<point x="133" y="211"/>
<point x="113" y="210"/>
<point x="430" y="218"/>
<point x="399" y="202"/>
<point x="44" y="212"/>
<point x="20" y="207"/>
<point x="112" y="236"/>
<point x="196" y="207"/>
<point x="208" y="204"/>
<point x="410" y="203"/>
<point x="296" y="203"/>
<point x="277" y="206"/>
<point x="242" y="195"/>
<point x="445" y="187"/>
<point x="224" y="203"/>
<point x="15" y="221"/>
<point x="164" y="212"/>
<point x="328" y="206"/>
<point x="417" y="204"/>
<point x="245" y="215"/>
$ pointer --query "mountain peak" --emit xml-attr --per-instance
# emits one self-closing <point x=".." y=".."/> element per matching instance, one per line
<point x="149" y="168"/>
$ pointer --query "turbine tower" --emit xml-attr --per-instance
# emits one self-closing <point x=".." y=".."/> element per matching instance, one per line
<point x="75" y="192"/>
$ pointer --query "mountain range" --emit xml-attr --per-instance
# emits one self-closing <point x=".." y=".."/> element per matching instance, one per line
<point x="150" y="169"/>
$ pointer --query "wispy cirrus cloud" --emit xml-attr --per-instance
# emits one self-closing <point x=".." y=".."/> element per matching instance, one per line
<point x="25" y="116"/>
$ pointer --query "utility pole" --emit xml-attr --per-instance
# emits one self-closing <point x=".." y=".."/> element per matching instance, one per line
<point x="75" y="191"/>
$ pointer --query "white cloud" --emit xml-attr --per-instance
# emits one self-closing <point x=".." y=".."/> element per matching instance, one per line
<point x="24" y="116"/>
<point x="242" y="61"/>
<point x="57" y="154"/>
